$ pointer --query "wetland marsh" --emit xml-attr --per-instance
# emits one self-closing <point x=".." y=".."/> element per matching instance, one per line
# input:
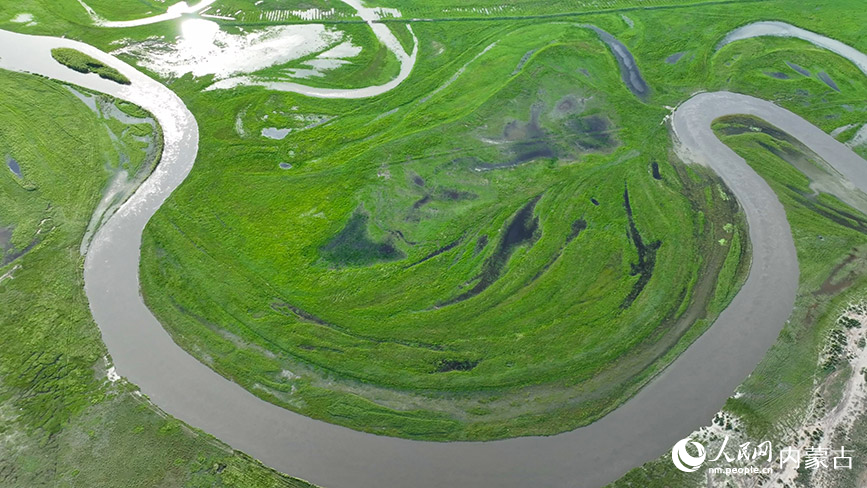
<point x="440" y="265"/>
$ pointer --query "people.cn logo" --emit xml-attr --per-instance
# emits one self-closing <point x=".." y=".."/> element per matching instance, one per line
<point x="685" y="461"/>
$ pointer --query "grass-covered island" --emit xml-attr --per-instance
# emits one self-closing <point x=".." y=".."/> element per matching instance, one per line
<point x="78" y="61"/>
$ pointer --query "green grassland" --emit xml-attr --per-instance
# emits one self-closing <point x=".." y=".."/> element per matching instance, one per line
<point x="129" y="9"/>
<point x="62" y="423"/>
<point x="373" y="277"/>
<point x="829" y="234"/>
<point x="406" y="319"/>
<point x="489" y="255"/>
<point x="486" y="10"/>
<point x="830" y="240"/>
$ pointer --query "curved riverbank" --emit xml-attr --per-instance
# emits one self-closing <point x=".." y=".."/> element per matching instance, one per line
<point x="382" y="32"/>
<point x="782" y="29"/>
<point x="686" y="394"/>
<point x="371" y="16"/>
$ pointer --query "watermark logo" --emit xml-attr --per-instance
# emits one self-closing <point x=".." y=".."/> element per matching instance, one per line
<point x="759" y="459"/>
<point x="685" y="461"/>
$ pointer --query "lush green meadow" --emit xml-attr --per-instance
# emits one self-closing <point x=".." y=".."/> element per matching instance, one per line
<point x="69" y="18"/>
<point x="831" y="240"/>
<point x="62" y="422"/>
<point x="114" y="10"/>
<point x="504" y="245"/>
<point x="432" y="306"/>
<point x="449" y="10"/>
<point x="374" y="276"/>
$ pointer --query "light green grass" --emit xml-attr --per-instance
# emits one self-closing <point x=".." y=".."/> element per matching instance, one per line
<point x="368" y="340"/>
<point x="385" y="340"/>
<point x="129" y="9"/>
<point x="375" y="334"/>
<point x="775" y="396"/>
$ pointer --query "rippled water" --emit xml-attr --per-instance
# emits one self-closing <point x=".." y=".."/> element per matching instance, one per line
<point x="5" y="238"/>
<point x="828" y="80"/>
<point x="799" y="69"/>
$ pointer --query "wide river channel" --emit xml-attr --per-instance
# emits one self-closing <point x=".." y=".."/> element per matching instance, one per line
<point x="682" y="398"/>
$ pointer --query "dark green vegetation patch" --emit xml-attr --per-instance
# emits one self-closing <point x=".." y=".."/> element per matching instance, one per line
<point x="78" y="61"/>
<point x="353" y="246"/>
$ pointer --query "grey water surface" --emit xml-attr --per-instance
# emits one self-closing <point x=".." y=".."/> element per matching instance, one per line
<point x="628" y="67"/>
<point x="674" y="58"/>
<point x="275" y="133"/>
<point x="13" y="166"/>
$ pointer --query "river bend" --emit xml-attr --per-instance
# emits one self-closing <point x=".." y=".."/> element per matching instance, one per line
<point x="685" y="395"/>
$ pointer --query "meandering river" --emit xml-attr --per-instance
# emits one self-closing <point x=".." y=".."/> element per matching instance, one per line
<point x="682" y="397"/>
<point x="782" y="29"/>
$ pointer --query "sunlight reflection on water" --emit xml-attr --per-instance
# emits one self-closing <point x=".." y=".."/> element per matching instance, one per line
<point x="203" y="48"/>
